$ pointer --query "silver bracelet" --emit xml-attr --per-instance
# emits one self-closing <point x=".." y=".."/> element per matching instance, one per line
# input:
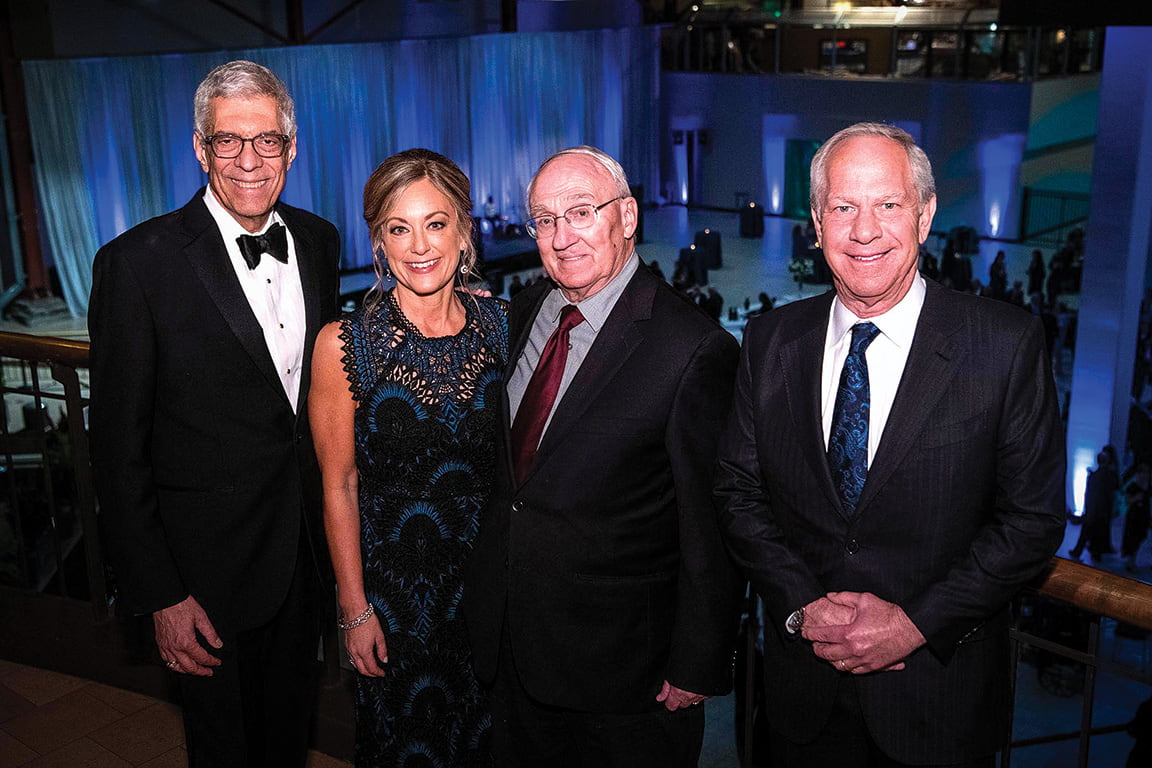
<point x="356" y="621"/>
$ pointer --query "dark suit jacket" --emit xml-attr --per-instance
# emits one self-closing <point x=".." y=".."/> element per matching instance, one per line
<point x="963" y="504"/>
<point x="606" y="567"/>
<point x="204" y="473"/>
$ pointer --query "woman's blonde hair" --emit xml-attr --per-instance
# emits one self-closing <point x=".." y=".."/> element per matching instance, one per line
<point x="389" y="181"/>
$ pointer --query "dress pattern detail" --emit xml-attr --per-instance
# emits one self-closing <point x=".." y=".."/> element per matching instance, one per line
<point x="427" y="411"/>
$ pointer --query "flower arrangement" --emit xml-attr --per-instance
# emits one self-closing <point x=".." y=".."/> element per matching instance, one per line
<point x="800" y="268"/>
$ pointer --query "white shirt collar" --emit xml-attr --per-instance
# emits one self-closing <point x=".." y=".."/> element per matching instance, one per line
<point x="898" y="323"/>
<point x="231" y="229"/>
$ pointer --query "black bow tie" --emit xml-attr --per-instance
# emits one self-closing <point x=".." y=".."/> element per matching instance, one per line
<point x="274" y="242"/>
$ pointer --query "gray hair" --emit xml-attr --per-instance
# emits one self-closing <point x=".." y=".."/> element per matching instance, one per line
<point x="615" y="170"/>
<point x="242" y="80"/>
<point x="917" y="160"/>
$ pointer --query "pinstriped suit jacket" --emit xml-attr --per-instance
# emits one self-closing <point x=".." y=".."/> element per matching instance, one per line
<point x="963" y="504"/>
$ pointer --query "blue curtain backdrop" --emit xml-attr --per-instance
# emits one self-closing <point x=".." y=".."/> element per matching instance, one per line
<point x="112" y="137"/>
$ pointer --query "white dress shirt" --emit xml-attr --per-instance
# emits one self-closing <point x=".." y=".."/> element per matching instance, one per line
<point x="274" y="293"/>
<point x="886" y="356"/>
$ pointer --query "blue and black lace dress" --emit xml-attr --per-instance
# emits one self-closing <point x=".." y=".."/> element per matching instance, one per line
<point x="427" y="411"/>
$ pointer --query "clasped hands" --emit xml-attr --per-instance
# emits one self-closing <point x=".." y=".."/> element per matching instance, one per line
<point x="858" y="632"/>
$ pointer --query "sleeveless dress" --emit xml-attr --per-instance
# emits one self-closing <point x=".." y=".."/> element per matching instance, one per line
<point x="427" y="411"/>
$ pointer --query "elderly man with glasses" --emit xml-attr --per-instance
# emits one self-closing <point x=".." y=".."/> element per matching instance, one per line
<point x="600" y="600"/>
<point x="202" y="322"/>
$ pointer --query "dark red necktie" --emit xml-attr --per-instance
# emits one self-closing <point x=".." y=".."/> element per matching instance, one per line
<point x="541" y="393"/>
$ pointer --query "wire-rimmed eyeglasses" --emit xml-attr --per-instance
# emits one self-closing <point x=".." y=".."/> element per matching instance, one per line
<point x="578" y="217"/>
<point x="228" y="145"/>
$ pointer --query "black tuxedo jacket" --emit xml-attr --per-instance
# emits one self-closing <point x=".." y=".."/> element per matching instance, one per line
<point x="963" y="504"/>
<point x="606" y="567"/>
<point x="204" y="473"/>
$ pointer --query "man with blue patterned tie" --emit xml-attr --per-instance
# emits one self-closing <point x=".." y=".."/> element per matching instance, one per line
<point x="892" y="474"/>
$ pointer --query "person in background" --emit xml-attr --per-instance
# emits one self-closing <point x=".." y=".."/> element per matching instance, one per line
<point x="998" y="277"/>
<point x="1099" y="508"/>
<point x="1036" y="272"/>
<point x="1137" y="494"/>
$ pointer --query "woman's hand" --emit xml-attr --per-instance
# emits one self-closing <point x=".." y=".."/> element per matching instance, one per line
<point x="367" y="648"/>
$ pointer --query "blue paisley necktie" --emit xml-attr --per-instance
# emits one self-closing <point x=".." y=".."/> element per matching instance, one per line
<point x="848" y="440"/>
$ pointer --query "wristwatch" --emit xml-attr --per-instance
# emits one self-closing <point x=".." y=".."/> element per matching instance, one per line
<point x="795" y="622"/>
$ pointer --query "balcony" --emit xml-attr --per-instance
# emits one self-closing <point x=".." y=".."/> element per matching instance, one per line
<point x="883" y="42"/>
<point x="66" y="648"/>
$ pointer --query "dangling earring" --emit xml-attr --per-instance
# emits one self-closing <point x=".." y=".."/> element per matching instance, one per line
<point x="382" y="260"/>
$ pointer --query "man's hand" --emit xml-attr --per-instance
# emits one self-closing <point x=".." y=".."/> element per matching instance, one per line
<point x="176" y="628"/>
<point x="674" y="698"/>
<point x="822" y="612"/>
<point x="879" y="637"/>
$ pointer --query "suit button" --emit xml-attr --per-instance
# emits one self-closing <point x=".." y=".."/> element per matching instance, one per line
<point x="517" y="506"/>
<point x="852" y="547"/>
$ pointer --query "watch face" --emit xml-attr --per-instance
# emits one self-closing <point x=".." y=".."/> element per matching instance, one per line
<point x="795" y="621"/>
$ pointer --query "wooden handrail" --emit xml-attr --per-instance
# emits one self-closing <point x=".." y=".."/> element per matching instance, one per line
<point x="49" y="349"/>
<point x="1083" y="586"/>
<point x="1097" y="591"/>
<point x="64" y="358"/>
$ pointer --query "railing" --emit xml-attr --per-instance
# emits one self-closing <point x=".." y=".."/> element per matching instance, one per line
<point x="1067" y="589"/>
<point x="902" y="41"/>
<point x="1079" y="596"/>
<point x="1049" y="217"/>
<point x="49" y="537"/>
<point x="1096" y="591"/>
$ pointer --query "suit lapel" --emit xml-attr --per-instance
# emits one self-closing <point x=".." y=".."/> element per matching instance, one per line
<point x="933" y="360"/>
<point x="801" y="362"/>
<point x="617" y="338"/>
<point x="307" y="261"/>
<point x="521" y="315"/>
<point x="206" y="253"/>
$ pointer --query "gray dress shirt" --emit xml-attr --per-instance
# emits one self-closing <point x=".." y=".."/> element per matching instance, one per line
<point x="595" y="309"/>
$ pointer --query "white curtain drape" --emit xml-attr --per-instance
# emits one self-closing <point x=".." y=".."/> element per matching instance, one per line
<point x="112" y="137"/>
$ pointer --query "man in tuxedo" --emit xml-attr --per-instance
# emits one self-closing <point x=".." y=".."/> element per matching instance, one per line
<point x="600" y="601"/>
<point x="202" y="322"/>
<point x="892" y="474"/>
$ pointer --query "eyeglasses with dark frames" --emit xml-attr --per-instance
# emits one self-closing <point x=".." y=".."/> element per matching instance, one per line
<point x="228" y="145"/>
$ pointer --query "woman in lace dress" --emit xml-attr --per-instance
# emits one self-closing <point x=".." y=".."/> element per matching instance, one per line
<point x="404" y="411"/>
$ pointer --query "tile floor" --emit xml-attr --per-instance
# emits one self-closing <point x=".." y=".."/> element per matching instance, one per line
<point x="52" y="720"/>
